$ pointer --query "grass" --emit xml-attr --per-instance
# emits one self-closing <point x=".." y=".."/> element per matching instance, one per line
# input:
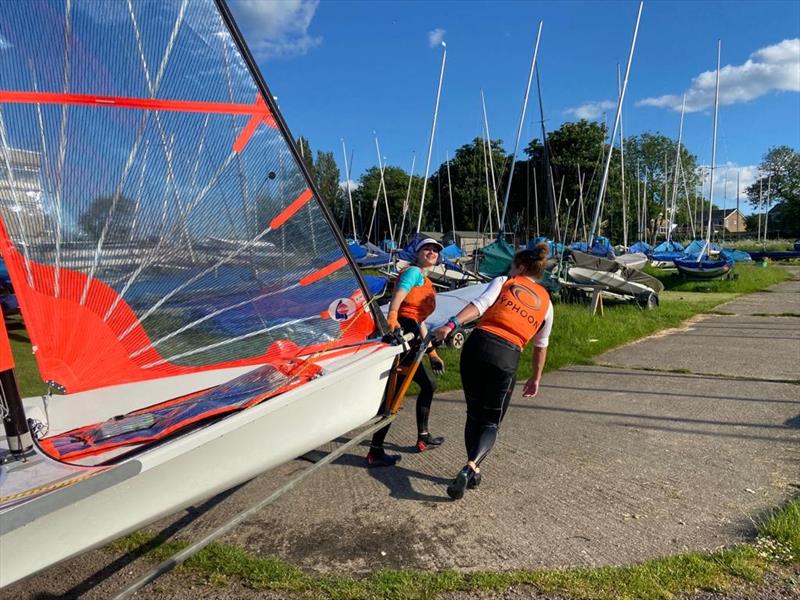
<point x="779" y="245"/>
<point x="748" y="278"/>
<point x="777" y="544"/>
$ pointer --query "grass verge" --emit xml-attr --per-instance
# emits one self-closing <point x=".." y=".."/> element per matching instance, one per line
<point x="777" y="545"/>
<point x="748" y="278"/>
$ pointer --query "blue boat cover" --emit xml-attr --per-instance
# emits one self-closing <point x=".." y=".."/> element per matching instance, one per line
<point x="665" y="246"/>
<point x="736" y="256"/>
<point x="601" y="246"/>
<point x="642" y="247"/>
<point x="555" y="248"/>
<point x="452" y="251"/>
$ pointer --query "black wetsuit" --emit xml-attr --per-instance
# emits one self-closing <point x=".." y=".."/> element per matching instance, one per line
<point x="422" y="378"/>
<point x="488" y="373"/>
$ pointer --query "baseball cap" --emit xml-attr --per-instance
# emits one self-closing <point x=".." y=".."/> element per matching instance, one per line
<point x="427" y="242"/>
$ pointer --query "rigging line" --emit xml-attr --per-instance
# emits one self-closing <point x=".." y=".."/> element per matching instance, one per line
<point x="486" y="176"/>
<point x="15" y="193"/>
<point x="62" y="144"/>
<point x="491" y="162"/>
<point x="622" y="168"/>
<point x="48" y="183"/>
<point x="408" y="196"/>
<point x="430" y="142"/>
<point x="349" y="191"/>
<point x="140" y="190"/>
<point x="140" y="133"/>
<point x="450" y="189"/>
<point x="383" y="182"/>
<point x="677" y="171"/>
<point x="226" y="342"/>
<point x="713" y="156"/>
<point x="243" y="187"/>
<point x="152" y="91"/>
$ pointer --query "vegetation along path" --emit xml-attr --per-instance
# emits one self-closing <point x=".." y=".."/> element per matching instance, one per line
<point x="659" y="454"/>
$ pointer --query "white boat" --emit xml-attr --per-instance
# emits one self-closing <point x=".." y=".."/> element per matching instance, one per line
<point x="189" y="294"/>
<point x="615" y="279"/>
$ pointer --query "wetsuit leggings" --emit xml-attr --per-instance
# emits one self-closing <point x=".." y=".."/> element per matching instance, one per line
<point x="488" y="372"/>
<point x="424" y="380"/>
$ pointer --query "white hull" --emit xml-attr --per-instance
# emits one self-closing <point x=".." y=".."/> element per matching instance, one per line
<point x="173" y="475"/>
<point x="616" y="283"/>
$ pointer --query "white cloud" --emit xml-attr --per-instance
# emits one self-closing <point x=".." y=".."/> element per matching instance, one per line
<point x="436" y="37"/>
<point x="354" y="185"/>
<point x="728" y="172"/>
<point x="277" y="29"/>
<point x="591" y="110"/>
<point x="774" y="68"/>
<point x="4" y="43"/>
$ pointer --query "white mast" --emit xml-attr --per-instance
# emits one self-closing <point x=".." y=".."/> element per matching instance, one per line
<point x="622" y="169"/>
<point x="713" y="155"/>
<point x="349" y="192"/>
<point x="604" y="182"/>
<point x="674" y="206"/>
<point x="502" y="225"/>
<point x="383" y="183"/>
<point x="491" y="162"/>
<point x="769" y="201"/>
<point x="430" y="142"/>
<point x="408" y="195"/>
<point x="536" y="200"/>
<point x="488" y="191"/>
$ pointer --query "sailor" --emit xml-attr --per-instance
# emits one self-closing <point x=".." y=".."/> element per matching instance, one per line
<point x="413" y="301"/>
<point x="512" y="310"/>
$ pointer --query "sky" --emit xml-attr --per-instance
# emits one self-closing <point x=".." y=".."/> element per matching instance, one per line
<point x="346" y="69"/>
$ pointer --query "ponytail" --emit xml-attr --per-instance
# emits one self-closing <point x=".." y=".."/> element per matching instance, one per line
<point x="532" y="261"/>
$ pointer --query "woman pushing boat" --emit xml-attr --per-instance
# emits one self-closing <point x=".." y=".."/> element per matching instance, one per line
<point x="513" y="311"/>
<point x="413" y="301"/>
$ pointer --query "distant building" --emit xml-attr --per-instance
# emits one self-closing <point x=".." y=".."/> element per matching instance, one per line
<point x="469" y="241"/>
<point x="731" y="219"/>
<point x="21" y="192"/>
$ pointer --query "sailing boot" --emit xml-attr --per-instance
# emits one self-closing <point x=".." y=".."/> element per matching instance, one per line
<point x="377" y="457"/>
<point x="426" y="441"/>
<point x="474" y="481"/>
<point x="459" y="485"/>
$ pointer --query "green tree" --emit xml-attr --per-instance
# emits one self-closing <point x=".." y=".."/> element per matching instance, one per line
<point x="326" y="172"/>
<point x="780" y="182"/>
<point x="304" y="146"/>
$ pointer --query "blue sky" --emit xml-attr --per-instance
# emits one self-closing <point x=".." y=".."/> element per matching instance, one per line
<point x="348" y="68"/>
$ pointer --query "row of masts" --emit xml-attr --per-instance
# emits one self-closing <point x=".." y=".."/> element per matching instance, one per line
<point x="647" y="227"/>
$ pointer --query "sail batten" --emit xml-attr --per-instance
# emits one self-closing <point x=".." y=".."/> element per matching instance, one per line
<point x="155" y="217"/>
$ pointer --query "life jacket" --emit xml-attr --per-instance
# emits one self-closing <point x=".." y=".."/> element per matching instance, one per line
<point x="518" y="312"/>
<point x="420" y="302"/>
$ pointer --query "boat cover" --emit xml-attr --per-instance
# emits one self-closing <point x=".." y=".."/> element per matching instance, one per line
<point x="496" y="258"/>
<point x="643" y="247"/>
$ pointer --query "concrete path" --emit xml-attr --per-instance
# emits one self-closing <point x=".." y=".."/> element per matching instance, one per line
<point x="611" y="464"/>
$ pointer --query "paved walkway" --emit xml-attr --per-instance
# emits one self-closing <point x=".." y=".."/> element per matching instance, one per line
<point x="618" y="462"/>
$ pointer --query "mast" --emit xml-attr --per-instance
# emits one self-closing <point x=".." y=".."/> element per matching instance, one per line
<point x="713" y="155"/>
<point x="551" y="196"/>
<point x="488" y="191"/>
<point x="760" y="206"/>
<point x="536" y="200"/>
<point x="430" y="142"/>
<point x="450" y="189"/>
<point x="674" y="206"/>
<point x="502" y="226"/>
<point x="724" y="203"/>
<point x="491" y="164"/>
<point x="604" y="181"/>
<point x="769" y="201"/>
<point x="622" y="169"/>
<point x="349" y="191"/>
<point x="408" y="195"/>
<point x="11" y="410"/>
<point x="738" y="214"/>
<point x="383" y="183"/>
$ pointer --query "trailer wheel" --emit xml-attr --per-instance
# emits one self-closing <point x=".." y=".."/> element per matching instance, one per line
<point x="457" y="338"/>
<point x="649" y="301"/>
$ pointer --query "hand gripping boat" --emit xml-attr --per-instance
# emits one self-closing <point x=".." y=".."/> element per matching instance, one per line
<point x="134" y="137"/>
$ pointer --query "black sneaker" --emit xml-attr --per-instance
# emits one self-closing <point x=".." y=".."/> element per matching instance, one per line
<point x="377" y="457"/>
<point x="428" y="441"/>
<point x="474" y="481"/>
<point x="457" y="487"/>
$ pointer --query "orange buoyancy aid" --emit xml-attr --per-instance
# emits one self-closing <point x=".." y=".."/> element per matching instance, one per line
<point x="518" y="312"/>
<point x="420" y="302"/>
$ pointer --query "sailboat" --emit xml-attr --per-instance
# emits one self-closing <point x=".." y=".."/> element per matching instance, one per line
<point x="178" y="367"/>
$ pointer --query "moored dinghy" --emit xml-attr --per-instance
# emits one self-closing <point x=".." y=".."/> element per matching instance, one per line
<point x="189" y="365"/>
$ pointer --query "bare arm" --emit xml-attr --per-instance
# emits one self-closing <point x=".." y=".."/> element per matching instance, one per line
<point x="532" y="385"/>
